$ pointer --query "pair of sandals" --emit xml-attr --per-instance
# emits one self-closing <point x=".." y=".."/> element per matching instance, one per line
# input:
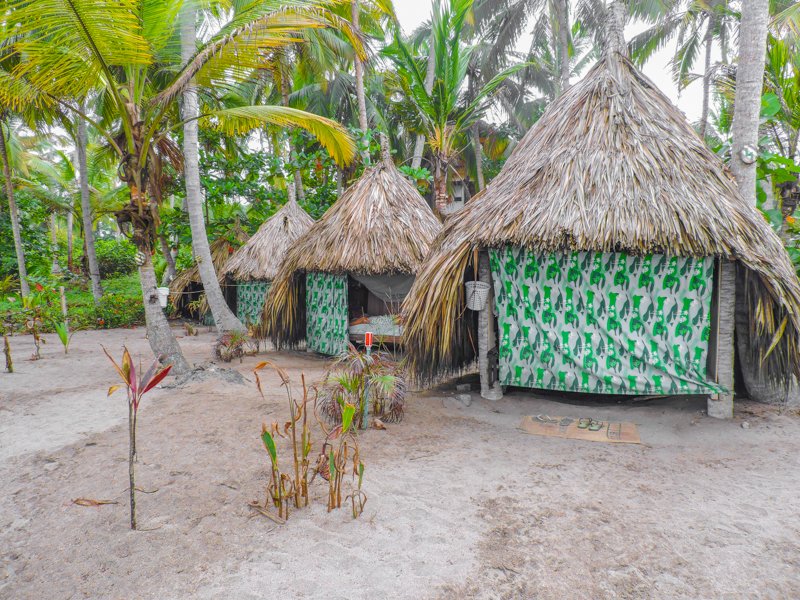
<point x="589" y="424"/>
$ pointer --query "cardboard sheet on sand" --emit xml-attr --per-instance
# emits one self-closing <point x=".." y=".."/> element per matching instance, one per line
<point x="567" y="427"/>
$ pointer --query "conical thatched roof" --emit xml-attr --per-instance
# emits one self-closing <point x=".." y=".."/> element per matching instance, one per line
<point x="261" y="256"/>
<point x="222" y="249"/>
<point x="611" y="166"/>
<point x="380" y="225"/>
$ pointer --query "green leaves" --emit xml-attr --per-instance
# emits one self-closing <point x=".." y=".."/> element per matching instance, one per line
<point x="333" y="136"/>
<point x="348" y="411"/>
<point x="269" y="444"/>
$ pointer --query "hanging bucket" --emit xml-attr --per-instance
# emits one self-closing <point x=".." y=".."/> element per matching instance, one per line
<point x="163" y="294"/>
<point x="477" y="294"/>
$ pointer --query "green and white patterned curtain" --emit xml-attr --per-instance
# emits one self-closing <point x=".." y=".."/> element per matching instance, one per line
<point x="250" y="297"/>
<point x="604" y="323"/>
<point x="326" y="313"/>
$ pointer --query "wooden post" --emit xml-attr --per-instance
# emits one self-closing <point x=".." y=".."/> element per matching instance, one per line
<point x="486" y="335"/>
<point x="721" y="342"/>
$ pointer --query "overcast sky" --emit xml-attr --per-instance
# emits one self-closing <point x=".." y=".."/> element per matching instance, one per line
<point x="412" y="13"/>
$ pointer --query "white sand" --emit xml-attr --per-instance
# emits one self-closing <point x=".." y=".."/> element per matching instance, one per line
<point x="461" y="503"/>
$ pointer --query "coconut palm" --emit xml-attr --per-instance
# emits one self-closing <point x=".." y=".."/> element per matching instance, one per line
<point x="128" y="52"/>
<point x="445" y="115"/>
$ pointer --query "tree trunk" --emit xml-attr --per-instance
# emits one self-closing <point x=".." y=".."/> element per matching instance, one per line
<point x="159" y="335"/>
<point x="562" y="23"/>
<point x="224" y="319"/>
<point x="419" y="144"/>
<point x="476" y="143"/>
<point x="615" y="28"/>
<point x="440" y="185"/>
<point x="81" y="141"/>
<point x="363" y="125"/>
<point x="55" y="268"/>
<point x="744" y="130"/>
<point x="132" y="461"/>
<point x="14" y="213"/>
<point x="70" y="238"/>
<point x="709" y="43"/>
<point x="171" y="272"/>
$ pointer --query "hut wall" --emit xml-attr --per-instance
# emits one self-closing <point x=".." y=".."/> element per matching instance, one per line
<point x="250" y="297"/>
<point x="603" y="322"/>
<point x="326" y="313"/>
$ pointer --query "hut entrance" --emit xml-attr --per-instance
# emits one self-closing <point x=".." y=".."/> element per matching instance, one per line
<point x="605" y="323"/>
<point x="250" y="297"/>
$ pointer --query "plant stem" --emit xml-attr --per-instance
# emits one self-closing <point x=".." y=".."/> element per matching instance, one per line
<point x="131" y="460"/>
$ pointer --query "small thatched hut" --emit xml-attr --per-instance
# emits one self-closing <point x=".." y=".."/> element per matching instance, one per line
<point x="255" y="264"/>
<point x="187" y="287"/>
<point x="612" y="239"/>
<point x="351" y="270"/>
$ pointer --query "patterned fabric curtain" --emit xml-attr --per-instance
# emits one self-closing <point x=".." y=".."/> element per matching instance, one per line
<point x="326" y="313"/>
<point x="604" y="323"/>
<point x="250" y="297"/>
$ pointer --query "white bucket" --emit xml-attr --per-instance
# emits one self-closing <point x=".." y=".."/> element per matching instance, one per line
<point x="477" y="294"/>
<point x="163" y="294"/>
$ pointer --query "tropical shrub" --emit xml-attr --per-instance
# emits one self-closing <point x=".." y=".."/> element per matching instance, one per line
<point x="115" y="257"/>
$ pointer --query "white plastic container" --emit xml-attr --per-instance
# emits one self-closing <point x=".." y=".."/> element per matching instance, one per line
<point x="163" y="295"/>
<point x="477" y="294"/>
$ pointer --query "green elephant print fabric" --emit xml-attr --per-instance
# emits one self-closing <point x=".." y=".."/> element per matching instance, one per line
<point x="603" y="323"/>
<point x="250" y="296"/>
<point x="326" y="313"/>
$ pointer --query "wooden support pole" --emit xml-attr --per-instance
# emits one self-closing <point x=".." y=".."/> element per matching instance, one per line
<point x="721" y="342"/>
<point x="486" y="337"/>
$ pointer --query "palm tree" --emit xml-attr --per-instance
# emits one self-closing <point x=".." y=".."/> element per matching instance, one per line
<point x="697" y="24"/>
<point x="12" y="205"/>
<point x="444" y="114"/>
<point x="81" y="143"/>
<point x="123" y="50"/>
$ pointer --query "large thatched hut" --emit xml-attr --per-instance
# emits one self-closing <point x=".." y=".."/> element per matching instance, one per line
<point x="187" y="287"/>
<point x="612" y="241"/>
<point x="351" y="270"/>
<point x="255" y="265"/>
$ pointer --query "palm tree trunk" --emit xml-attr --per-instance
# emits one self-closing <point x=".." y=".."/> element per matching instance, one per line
<point x="159" y="335"/>
<point x="298" y="176"/>
<point x="81" y="141"/>
<point x="440" y="185"/>
<point x="709" y="43"/>
<point x="476" y="143"/>
<point x="224" y="319"/>
<point x="70" y="238"/>
<point x="744" y="130"/>
<point x="562" y="22"/>
<point x="171" y="271"/>
<point x="55" y="268"/>
<point x="363" y="125"/>
<point x="419" y="143"/>
<point x="14" y="213"/>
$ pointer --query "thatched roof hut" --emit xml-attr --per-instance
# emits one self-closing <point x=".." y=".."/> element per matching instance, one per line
<point x="259" y="258"/>
<point x="188" y="281"/>
<point x="255" y="264"/>
<point x="381" y="226"/>
<point x="612" y="167"/>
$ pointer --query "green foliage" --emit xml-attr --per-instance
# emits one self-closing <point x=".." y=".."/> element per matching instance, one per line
<point x="422" y="177"/>
<point x="115" y="257"/>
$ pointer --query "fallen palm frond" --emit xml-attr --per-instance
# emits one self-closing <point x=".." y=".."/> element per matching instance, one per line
<point x="380" y="225"/>
<point x="261" y="255"/>
<point x="612" y="166"/>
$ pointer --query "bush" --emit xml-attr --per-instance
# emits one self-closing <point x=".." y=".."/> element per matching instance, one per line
<point x="115" y="257"/>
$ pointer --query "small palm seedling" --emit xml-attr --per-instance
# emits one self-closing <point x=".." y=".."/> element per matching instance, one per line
<point x="64" y="335"/>
<point x="7" y="352"/>
<point x="285" y="489"/>
<point x="32" y="305"/>
<point x="137" y="385"/>
<point x="340" y="454"/>
<point x="371" y="382"/>
<point x="234" y="344"/>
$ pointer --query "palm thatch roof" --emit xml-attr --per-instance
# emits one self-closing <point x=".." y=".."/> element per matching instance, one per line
<point x="261" y="256"/>
<point x="222" y="250"/>
<point x="611" y="166"/>
<point x="380" y="225"/>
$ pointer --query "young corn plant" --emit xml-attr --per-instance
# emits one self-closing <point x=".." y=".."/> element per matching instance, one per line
<point x="292" y="488"/>
<point x="64" y="335"/>
<point x="137" y="385"/>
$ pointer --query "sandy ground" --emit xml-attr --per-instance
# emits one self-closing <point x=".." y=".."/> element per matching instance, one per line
<point x="462" y="504"/>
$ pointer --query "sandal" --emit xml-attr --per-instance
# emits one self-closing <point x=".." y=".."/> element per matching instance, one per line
<point x="595" y="425"/>
<point x="584" y="422"/>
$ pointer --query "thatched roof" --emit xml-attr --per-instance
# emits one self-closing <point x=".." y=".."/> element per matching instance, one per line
<point x="261" y="256"/>
<point x="380" y="225"/>
<point x="222" y="250"/>
<point x="612" y="165"/>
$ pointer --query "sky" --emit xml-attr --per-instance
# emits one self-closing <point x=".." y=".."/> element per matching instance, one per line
<point x="412" y="13"/>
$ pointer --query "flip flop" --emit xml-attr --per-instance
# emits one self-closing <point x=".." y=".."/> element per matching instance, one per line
<point x="595" y="425"/>
<point x="584" y="422"/>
